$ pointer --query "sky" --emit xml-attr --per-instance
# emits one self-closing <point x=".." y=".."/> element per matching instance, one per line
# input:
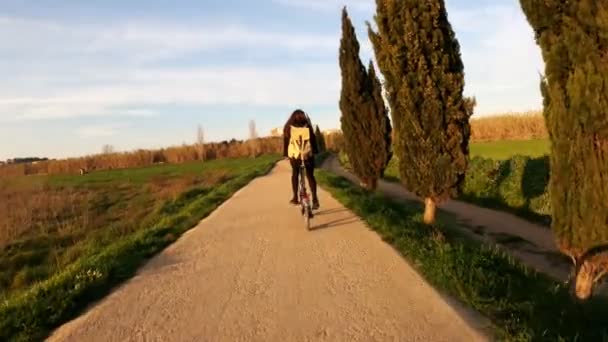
<point x="76" y="75"/>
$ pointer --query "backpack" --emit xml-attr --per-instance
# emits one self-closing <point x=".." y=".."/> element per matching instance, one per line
<point x="299" y="143"/>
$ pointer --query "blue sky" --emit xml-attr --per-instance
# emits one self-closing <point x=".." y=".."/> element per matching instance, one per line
<point x="144" y="73"/>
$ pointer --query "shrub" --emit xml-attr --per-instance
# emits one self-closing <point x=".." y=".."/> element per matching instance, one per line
<point x="518" y="185"/>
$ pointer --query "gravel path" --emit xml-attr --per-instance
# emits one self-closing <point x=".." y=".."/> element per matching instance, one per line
<point x="252" y="272"/>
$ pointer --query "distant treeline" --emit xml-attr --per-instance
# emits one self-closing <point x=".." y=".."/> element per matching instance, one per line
<point x="25" y="160"/>
<point x="173" y="155"/>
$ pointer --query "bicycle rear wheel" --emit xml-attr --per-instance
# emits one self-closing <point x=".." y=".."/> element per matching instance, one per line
<point x="307" y="219"/>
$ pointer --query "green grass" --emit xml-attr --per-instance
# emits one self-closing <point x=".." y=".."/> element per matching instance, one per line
<point x="508" y="148"/>
<point x="105" y="260"/>
<point x="522" y="304"/>
<point x="144" y="175"/>
<point x="497" y="150"/>
<point x="109" y="177"/>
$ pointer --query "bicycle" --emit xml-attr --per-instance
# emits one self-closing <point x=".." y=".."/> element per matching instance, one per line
<point x="304" y="197"/>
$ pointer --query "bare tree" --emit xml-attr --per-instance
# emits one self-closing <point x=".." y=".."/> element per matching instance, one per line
<point x="253" y="133"/>
<point x="253" y="137"/>
<point x="200" y="143"/>
<point x="107" y="149"/>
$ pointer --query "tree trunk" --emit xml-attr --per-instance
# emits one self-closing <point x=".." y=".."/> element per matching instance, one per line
<point x="373" y="184"/>
<point x="369" y="184"/>
<point x="583" y="285"/>
<point x="429" y="211"/>
<point x="588" y="274"/>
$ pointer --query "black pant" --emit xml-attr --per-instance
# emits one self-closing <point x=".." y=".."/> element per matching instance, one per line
<point x="309" y="164"/>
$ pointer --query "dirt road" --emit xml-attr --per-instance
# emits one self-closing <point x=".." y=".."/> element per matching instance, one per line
<point x="251" y="272"/>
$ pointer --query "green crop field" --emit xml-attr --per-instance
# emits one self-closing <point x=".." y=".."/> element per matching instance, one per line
<point x="506" y="149"/>
<point x="497" y="150"/>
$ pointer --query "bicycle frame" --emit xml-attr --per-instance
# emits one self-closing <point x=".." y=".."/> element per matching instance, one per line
<point x="303" y="193"/>
<point x="303" y="190"/>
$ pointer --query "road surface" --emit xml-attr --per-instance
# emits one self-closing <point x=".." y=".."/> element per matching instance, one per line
<point x="252" y="272"/>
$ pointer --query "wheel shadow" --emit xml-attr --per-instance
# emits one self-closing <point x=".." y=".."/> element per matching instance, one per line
<point x="331" y="211"/>
<point x="335" y="223"/>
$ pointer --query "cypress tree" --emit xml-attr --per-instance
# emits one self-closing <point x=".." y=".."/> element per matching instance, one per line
<point x="365" y="123"/>
<point x="572" y="37"/>
<point x="320" y="139"/>
<point x="419" y="56"/>
<point x="382" y="128"/>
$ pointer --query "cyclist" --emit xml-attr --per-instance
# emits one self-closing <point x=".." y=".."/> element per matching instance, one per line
<point x="299" y="119"/>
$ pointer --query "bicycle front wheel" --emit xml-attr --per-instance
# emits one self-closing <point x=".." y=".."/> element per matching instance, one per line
<point x="307" y="218"/>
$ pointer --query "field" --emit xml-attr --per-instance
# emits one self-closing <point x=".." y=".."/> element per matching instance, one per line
<point x="48" y="222"/>
<point x="57" y="232"/>
<point x="506" y="149"/>
<point x="509" y="126"/>
<point x="144" y="158"/>
<point x="495" y="150"/>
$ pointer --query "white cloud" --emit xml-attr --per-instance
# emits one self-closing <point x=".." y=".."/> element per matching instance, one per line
<point x="24" y="109"/>
<point x="145" y="40"/>
<point x="158" y="40"/>
<point x="140" y="112"/>
<point x="281" y="85"/>
<point x="99" y="131"/>
<point x="96" y="71"/>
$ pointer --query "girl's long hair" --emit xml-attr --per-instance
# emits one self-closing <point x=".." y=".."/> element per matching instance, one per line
<point x="298" y="118"/>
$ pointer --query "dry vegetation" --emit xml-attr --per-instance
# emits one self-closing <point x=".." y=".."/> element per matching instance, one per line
<point x="511" y="126"/>
<point x="66" y="240"/>
<point x="41" y="210"/>
<point x="47" y="222"/>
<point x="140" y="158"/>
<point x="171" y="155"/>
<point x="46" y="209"/>
<point x="497" y="127"/>
<point x="334" y="142"/>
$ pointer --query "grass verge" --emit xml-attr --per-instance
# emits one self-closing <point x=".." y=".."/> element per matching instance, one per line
<point x="32" y="314"/>
<point x="522" y="304"/>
